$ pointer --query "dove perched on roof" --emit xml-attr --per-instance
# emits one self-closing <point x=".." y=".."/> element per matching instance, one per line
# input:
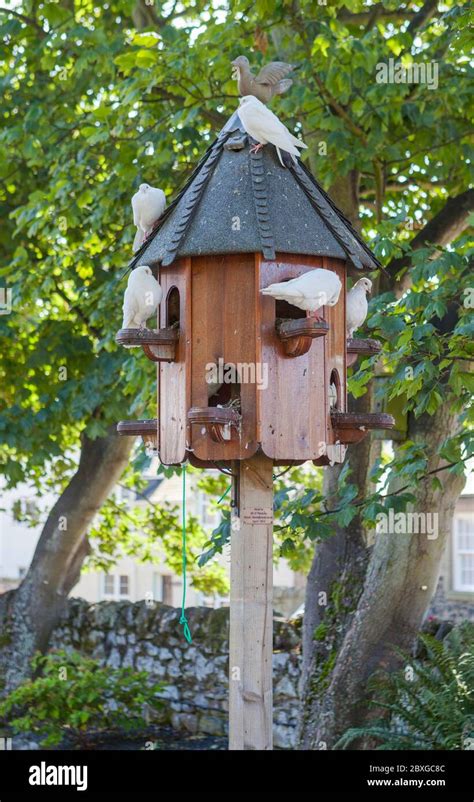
<point x="265" y="127"/>
<point x="141" y="299"/>
<point x="356" y="305"/>
<point x="148" y="204"/>
<point x="269" y="82"/>
<point x="310" y="292"/>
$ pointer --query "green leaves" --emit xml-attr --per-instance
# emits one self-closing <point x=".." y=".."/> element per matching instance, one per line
<point x="94" y="106"/>
<point x="430" y="700"/>
<point x="73" y="697"/>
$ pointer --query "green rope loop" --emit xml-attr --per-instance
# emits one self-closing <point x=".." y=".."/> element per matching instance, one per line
<point x="183" y="620"/>
<point x="224" y="494"/>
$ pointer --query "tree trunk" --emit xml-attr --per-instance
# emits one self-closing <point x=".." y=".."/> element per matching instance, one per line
<point x="335" y="583"/>
<point x="29" y="613"/>
<point x="401" y="579"/>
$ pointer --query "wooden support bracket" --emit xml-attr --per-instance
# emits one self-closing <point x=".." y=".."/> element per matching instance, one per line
<point x="357" y="348"/>
<point x="351" y="427"/>
<point x="146" y="429"/>
<point x="159" y="345"/>
<point x="298" y="334"/>
<point x="222" y="423"/>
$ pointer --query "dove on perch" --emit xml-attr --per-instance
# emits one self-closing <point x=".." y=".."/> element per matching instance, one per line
<point x="265" y="127"/>
<point x="356" y="305"/>
<point x="269" y="82"/>
<point x="141" y="299"/>
<point x="148" y="204"/>
<point x="309" y="292"/>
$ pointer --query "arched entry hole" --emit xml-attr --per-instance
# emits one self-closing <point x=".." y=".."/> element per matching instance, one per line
<point x="173" y="307"/>
<point x="285" y="310"/>
<point x="334" y="391"/>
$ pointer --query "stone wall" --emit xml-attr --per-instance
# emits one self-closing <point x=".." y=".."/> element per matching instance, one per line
<point x="451" y="606"/>
<point x="195" y="675"/>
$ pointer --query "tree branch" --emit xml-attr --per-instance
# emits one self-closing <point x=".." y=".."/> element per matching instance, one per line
<point x="91" y="329"/>
<point x="377" y="11"/>
<point x="442" y="229"/>
<point x="422" y="16"/>
<point x="24" y="18"/>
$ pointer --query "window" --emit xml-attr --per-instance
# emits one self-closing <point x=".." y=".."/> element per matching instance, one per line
<point x="463" y="553"/>
<point x="116" y="587"/>
<point x="207" y="516"/>
<point x="125" y="494"/>
<point x="168" y="590"/>
<point x="157" y="587"/>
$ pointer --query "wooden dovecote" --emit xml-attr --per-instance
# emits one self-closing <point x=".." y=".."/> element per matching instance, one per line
<point x="240" y="373"/>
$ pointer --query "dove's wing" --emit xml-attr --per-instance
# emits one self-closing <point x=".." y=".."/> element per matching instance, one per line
<point x="282" y="86"/>
<point x="319" y="286"/>
<point x="157" y="201"/>
<point x="130" y="309"/>
<point x="357" y="308"/>
<point x="135" y="209"/>
<point x="272" y="73"/>
<point x="267" y="125"/>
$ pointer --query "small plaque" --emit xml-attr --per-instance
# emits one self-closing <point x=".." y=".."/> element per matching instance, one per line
<point x="258" y="516"/>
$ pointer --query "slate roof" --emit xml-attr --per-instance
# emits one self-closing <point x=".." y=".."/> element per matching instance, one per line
<point x="238" y="202"/>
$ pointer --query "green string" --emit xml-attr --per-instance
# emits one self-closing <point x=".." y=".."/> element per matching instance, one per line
<point x="224" y="494"/>
<point x="183" y="620"/>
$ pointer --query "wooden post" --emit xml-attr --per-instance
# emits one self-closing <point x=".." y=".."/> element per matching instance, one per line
<point x="251" y="608"/>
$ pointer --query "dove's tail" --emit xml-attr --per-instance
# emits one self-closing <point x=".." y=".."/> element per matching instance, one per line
<point x="138" y="241"/>
<point x="279" y="156"/>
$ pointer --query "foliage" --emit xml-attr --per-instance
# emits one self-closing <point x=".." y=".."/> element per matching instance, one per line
<point x="99" y="97"/>
<point x="74" y="698"/>
<point x="296" y="495"/>
<point x="430" y="702"/>
<point x="151" y="532"/>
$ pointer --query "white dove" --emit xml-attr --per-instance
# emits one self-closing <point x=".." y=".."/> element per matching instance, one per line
<point x="148" y="204"/>
<point x="310" y="292"/>
<point x="141" y="299"/>
<point x="265" y="127"/>
<point x="356" y="305"/>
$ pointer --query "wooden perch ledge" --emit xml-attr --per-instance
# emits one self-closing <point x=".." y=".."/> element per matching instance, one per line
<point x="158" y="345"/>
<point x="146" y="429"/>
<point x="221" y="422"/>
<point x="351" y="427"/>
<point x="356" y="348"/>
<point x="297" y="335"/>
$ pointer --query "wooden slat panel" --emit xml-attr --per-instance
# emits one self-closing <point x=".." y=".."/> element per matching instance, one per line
<point x="292" y="419"/>
<point x="173" y="384"/>
<point x="335" y="342"/>
<point x="223" y="314"/>
<point x="335" y="357"/>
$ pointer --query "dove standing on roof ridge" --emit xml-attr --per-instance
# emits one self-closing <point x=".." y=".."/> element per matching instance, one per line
<point x="357" y="305"/>
<point x="148" y="204"/>
<point x="310" y="292"/>
<point x="269" y="82"/>
<point x="265" y="127"/>
<point x="141" y="299"/>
